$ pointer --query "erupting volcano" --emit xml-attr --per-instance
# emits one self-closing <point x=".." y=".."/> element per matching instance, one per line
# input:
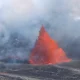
<point x="47" y="51"/>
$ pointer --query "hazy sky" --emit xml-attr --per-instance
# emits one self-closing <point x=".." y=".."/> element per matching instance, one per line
<point x="60" y="17"/>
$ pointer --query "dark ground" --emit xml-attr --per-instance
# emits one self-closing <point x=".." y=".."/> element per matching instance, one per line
<point x="39" y="72"/>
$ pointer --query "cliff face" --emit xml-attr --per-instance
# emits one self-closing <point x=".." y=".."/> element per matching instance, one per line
<point x="47" y="51"/>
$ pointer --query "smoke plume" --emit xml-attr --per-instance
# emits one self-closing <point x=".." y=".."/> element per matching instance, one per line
<point x="21" y="20"/>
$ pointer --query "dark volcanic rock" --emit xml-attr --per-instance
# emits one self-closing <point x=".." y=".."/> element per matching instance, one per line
<point x="9" y="78"/>
<point x="42" y="72"/>
<point x="46" y="72"/>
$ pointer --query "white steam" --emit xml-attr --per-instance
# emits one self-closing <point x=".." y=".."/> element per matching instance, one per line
<point x="60" y="17"/>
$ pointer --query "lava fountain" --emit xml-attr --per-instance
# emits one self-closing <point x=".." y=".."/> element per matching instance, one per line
<point x="47" y="51"/>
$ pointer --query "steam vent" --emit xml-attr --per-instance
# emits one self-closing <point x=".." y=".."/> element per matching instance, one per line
<point x="47" y="51"/>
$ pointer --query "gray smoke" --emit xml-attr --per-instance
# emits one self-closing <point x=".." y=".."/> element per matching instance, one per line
<point x="21" y="20"/>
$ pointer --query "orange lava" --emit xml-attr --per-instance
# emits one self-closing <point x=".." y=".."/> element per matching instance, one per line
<point x="47" y="51"/>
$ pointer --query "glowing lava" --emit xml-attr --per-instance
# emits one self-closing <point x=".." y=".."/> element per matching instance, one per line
<point x="47" y="51"/>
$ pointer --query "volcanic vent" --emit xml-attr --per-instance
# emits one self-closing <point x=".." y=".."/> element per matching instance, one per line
<point x="47" y="51"/>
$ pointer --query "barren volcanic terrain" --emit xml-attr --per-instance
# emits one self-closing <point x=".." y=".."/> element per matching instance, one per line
<point x="37" y="72"/>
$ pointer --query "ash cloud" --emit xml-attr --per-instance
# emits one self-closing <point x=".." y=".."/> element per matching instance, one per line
<point x="20" y="22"/>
